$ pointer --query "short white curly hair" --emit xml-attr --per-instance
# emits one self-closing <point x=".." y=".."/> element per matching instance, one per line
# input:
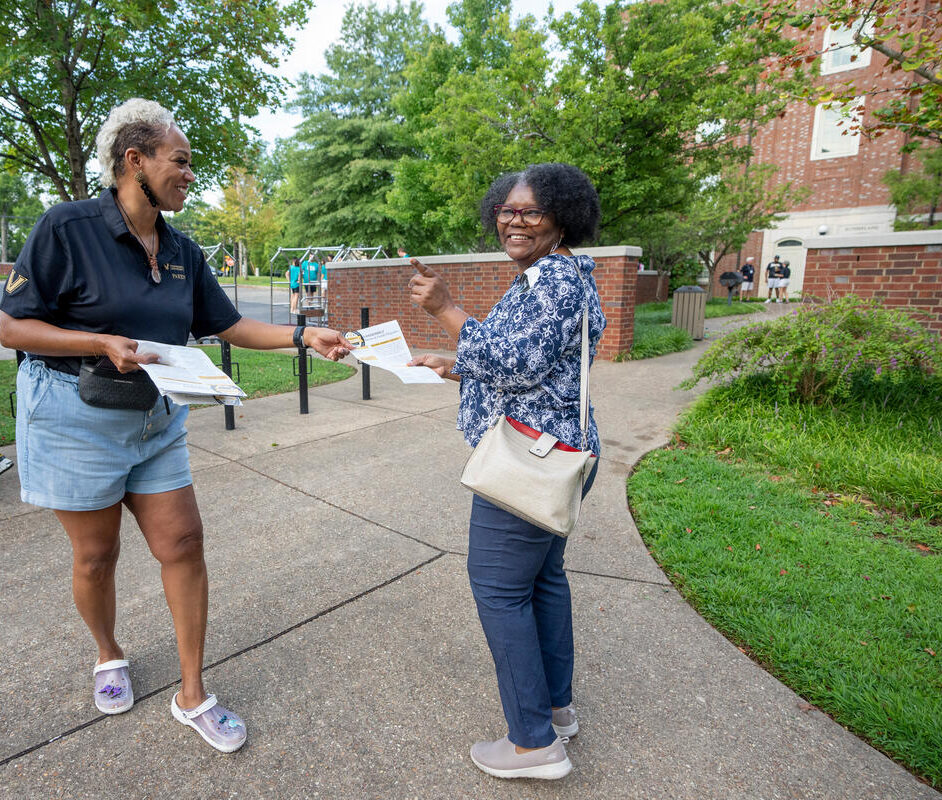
<point x="137" y="123"/>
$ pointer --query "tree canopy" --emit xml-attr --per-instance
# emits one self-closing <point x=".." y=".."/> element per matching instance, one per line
<point x="644" y="97"/>
<point x="65" y="65"/>
<point x="20" y="207"/>
<point x="338" y="167"/>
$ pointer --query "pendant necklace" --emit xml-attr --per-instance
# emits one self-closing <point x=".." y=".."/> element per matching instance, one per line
<point x="150" y="251"/>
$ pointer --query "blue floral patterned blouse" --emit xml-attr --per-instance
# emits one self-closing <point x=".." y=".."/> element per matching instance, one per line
<point x="529" y="348"/>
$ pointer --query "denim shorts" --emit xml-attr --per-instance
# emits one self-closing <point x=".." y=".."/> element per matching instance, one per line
<point x="75" y="457"/>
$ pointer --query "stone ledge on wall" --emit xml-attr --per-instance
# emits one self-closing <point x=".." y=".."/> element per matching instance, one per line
<point x="479" y="258"/>
<point x="891" y="239"/>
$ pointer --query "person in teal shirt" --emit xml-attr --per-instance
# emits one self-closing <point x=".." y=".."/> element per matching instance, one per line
<point x="293" y="276"/>
<point x="309" y="270"/>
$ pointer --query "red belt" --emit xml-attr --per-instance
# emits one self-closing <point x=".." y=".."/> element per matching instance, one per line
<point x="533" y="433"/>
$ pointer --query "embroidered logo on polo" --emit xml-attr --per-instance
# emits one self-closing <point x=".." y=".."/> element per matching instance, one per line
<point x="176" y="271"/>
<point x="16" y="282"/>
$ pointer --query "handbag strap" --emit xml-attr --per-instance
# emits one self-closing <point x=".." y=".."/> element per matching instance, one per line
<point x="584" y="375"/>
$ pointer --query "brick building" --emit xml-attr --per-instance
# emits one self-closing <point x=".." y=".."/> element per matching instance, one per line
<point x="843" y="170"/>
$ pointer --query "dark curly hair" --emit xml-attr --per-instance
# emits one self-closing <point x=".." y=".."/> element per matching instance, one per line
<point x="560" y="188"/>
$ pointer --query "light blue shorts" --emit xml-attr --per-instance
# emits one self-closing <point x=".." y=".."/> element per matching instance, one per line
<point x="75" y="457"/>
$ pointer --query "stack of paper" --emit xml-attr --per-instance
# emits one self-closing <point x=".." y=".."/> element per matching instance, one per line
<point x="186" y="375"/>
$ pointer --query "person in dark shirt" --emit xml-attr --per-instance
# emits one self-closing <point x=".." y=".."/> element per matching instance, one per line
<point x="94" y="277"/>
<point x="772" y="277"/>
<point x="748" y="276"/>
<point x="783" y="281"/>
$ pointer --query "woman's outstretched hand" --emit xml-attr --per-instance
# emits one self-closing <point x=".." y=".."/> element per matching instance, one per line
<point x="441" y="365"/>
<point x="329" y="343"/>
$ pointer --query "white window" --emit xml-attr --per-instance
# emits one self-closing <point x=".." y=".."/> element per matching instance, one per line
<point x="840" y="52"/>
<point x="832" y="136"/>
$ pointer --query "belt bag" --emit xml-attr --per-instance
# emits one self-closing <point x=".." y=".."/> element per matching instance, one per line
<point x="534" y="479"/>
<point x="102" y="386"/>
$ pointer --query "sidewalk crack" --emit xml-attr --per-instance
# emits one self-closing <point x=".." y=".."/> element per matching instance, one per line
<point x="230" y="657"/>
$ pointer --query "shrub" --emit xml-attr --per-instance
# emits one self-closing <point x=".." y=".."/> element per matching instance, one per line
<point x="820" y="352"/>
<point x="685" y="274"/>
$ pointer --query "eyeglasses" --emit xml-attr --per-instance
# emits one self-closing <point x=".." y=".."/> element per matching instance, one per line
<point x="529" y="216"/>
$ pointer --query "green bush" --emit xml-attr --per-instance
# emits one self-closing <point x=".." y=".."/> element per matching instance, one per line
<point x="685" y="274"/>
<point x="821" y="352"/>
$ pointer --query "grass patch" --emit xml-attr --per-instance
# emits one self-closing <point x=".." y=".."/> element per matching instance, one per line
<point x="715" y="307"/>
<point x="261" y="373"/>
<point x="7" y="385"/>
<point x="655" y="336"/>
<point x="655" y="339"/>
<point x="765" y="519"/>
<point x="255" y="280"/>
<point x="886" y="451"/>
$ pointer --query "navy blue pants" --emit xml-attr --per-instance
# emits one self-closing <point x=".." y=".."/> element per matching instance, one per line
<point x="522" y="596"/>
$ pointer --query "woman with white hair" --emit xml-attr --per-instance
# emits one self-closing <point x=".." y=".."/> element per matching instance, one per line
<point x="93" y="278"/>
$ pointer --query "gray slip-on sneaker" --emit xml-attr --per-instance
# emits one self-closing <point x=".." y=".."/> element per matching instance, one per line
<point x="565" y="722"/>
<point x="502" y="760"/>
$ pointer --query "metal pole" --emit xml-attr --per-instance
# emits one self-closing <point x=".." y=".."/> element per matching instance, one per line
<point x="235" y="285"/>
<point x="364" y="368"/>
<point x="302" y="367"/>
<point x="226" y="354"/>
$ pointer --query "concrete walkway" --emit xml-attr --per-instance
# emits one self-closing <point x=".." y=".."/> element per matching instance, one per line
<point x="342" y="628"/>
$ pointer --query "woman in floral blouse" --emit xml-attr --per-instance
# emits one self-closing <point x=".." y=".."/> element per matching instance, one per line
<point x="523" y="360"/>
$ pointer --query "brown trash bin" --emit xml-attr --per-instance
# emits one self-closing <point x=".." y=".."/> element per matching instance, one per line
<point x="688" y="309"/>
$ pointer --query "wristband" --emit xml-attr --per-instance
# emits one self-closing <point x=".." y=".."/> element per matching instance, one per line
<point x="299" y="336"/>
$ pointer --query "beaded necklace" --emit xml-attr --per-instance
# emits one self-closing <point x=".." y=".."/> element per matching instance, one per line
<point x="151" y="251"/>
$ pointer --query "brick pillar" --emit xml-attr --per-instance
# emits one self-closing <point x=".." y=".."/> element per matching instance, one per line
<point x="617" y="280"/>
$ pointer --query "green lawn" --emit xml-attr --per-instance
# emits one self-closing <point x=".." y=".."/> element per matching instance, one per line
<point x="256" y="280"/>
<point x="812" y="538"/>
<point x="260" y="374"/>
<point x="7" y="385"/>
<point x="655" y="336"/>
<point x="654" y="313"/>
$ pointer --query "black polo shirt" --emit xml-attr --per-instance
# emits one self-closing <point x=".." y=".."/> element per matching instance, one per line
<point x="81" y="269"/>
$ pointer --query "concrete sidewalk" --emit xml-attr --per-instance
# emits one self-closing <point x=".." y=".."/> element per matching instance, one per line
<point x="342" y="629"/>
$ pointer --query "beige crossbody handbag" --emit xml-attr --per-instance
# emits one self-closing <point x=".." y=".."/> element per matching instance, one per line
<point x="532" y="478"/>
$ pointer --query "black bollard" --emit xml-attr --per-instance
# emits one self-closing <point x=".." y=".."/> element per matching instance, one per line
<point x="226" y="357"/>
<point x="302" y="369"/>
<point x="364" y="368"/>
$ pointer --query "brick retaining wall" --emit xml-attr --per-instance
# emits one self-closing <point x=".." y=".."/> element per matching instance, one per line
<point x="902" y="269"/>
<point x="477" y="281"/>
<point x="647" y="291"/>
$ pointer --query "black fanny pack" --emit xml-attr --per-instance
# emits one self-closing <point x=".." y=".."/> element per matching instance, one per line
<point x="101" y="385"/>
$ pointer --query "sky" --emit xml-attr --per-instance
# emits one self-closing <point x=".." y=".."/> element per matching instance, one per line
<point x="323" y="28"/>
